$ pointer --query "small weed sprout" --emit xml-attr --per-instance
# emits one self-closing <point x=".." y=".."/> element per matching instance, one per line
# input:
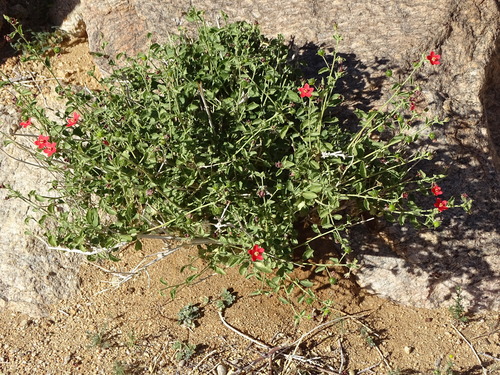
<point x="184" y="350"/>
<point x="187" y="316"/>
<point x="99" y="339"/>
<point x="326" y="309"/>
<point x="368" y="338"/>
<point x="119" y="368"/>
<point x="131" y="339"/>
<point x="226" y="299"/>
<point x="447" y="369"/>
<point x="457" y="310"/>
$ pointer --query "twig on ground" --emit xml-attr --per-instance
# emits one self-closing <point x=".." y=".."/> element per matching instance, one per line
<point x="39" y="88"/>
<point x="97" y="250"/>
<point x="383" y="357"/>
<point x="354" y="317"/>
<point x="485" y="371"/>
<point x="341" y="357"/>
<point x="486" y="334"/>
<point x="279" y="350"/>
<point x="255" y="341"/>
<point x="156" y="360"/>
<point x="142" y="266"/>
<point x="316" y="329"/>
<point x="160" y="237"/>
<point x="369" y="368"/>
<point x="489" y="356"/>
<point x="21" y="161"/>
<point x="203" y="360"/>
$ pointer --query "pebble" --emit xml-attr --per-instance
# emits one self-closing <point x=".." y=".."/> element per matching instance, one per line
<point x="408" y="349"/>
<point x="221" y="370"/>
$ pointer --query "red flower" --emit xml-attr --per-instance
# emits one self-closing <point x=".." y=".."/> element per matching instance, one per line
<point x="256" y="253"/>
<point x="306" y="91"/>
<point x="41" y="142"/>
<point x="441" y="204"/>
<point x="436" y="190"/>
<point x="50" y="148"/>
<point x="413" y="106"/>
<point x="26" y="123"/>
<point x="73" y="120"/>
<point x="433" y="58"/>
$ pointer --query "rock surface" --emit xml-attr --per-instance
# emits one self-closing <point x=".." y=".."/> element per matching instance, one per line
<point x="31" y="277"/>
<point x="67" y="15"/>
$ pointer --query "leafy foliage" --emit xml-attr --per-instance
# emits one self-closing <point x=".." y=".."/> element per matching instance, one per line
<point x="206" y="137"/>
<point x="188" y="315"/>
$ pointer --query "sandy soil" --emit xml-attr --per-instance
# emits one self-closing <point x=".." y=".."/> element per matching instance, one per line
<point x="134" y="329"/>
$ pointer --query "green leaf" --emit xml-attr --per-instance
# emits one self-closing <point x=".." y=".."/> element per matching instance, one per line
<point x="39" y="198"/>
<point x="252" y="106"/>
<point x="125" y="238"/>
<point x="92" y="217"/>
<point x="284" y="300"/>
<point x="323" y="70"/>
<point x="309" y="195"/>
<point x="307" y="283"/>
<point x="314" y="164"/>
<point x="262" y="268"/>
<point x="110" y="211"/>
<point x="316" y="187"/>
<point x="220" y="271"/>
<point x="319" y="269"/>
<point x="308" y="254"/>
<point x="51" y="240"/>
<point x="113" y="258"/>
<point x="173" y="292"/>
<point x="293" y="96"/>
<point x="243" y="269"/>
<point x="362" y="169"/>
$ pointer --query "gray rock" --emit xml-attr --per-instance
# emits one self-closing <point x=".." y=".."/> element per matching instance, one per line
<point x="31" y="277"/>
<point x="221" y="369"/>
<point x="67" y="15"/>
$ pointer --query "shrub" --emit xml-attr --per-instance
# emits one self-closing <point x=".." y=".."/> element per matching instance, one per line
<point x="218" y="136"/>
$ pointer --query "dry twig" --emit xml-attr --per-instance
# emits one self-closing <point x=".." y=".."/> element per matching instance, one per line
<point x="485" y="371"/>
<point x="203" y="360"/>
<point x="341" y="357"/>
<point x="489" y="356"/>
<point x="280" y="350"/>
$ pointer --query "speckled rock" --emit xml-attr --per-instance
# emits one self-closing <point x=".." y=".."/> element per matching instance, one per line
<point x="31" y="277"/>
